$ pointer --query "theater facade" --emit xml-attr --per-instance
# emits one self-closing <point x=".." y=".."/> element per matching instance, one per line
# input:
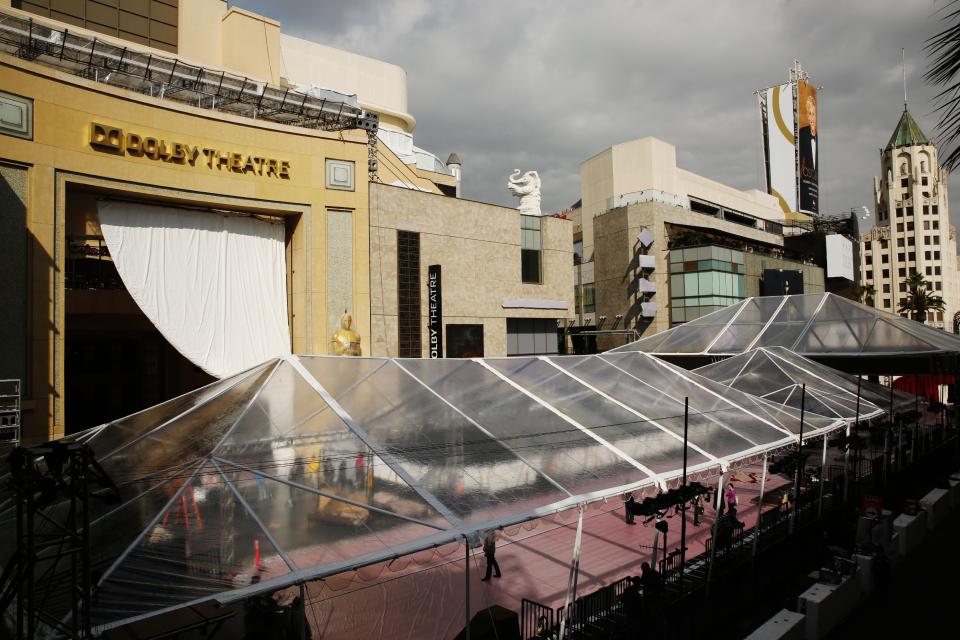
<point x="106" y="136"/>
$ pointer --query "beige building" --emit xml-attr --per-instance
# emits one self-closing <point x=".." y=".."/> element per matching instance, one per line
<point x="196" y="106"/>
<point x="913" y="230"/>
<point x="660" y="245"/>
<point x="506" y="280"/>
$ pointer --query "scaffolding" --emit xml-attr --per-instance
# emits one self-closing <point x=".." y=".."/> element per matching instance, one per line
<point x="169" y="78"/>
<point x="9" y="413"/>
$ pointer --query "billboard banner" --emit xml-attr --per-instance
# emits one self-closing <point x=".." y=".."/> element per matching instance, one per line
<point x="839" y="257"/>
<point x="809" y="162"/>
<point x="781" y="147"/>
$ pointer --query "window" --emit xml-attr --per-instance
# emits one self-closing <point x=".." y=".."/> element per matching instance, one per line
<point x="869" y="259"/>
<point x="909" y="226"/>
<point x="466" y="340"/>
<point x="529" y="336"/>
<point x="577" y="251"/>
<point x="886" y="288"/>
<point x="926" y="225"/>
<point x="911" y="241"/>
<point x="926" y="210"/>
<point x="924" y="180"/>
<point x="936" y="255"/>
<point x="899" y="242"/>
<point x="883" y="244"/>
<point x="408" y="294"/>
<point x="929" y="271"/>
<point x="589" y="299"/>
<point x="899" y="212"/>
<point x="886" y="273"/>
<point x="903" y="286"/>
<point x="913" y="256"/>
<point x="926" y="240"/>
<point x="938" y="286"/>
<point x="936" y="239"/>
<point x="935" y="208"/>
<point x="886" y="303"/>
<point x="900" y="257"/>
<point x="940" y="316"/>
<point x="899" y="227"/>
<point x="904" y="182"/>
<point x="926" y="255"/>
<point x="884" y="258"/>
<point x="16" y="115"/>
<point x="869" y="275"/>
<point x="902" y="272"/>
<point x="909" y="211"/>
<point x="936" y="271"/>
<point x="530" y="265"/>
<point x="936" y="224"/>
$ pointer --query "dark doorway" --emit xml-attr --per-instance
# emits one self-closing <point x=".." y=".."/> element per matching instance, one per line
<point x="464" y="340"/>
<point x="115" y="361"/>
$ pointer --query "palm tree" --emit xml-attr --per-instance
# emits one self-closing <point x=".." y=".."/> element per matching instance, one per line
<point x="866" y="293"/>
<point x="919" y="298"/>
<point x="944" y="52"/>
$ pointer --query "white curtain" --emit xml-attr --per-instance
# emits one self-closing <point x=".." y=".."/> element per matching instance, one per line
<point x="214" y="285"/>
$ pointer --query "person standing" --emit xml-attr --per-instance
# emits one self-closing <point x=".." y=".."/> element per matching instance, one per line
<point x="697" y="510"/>
<point x="628" y="506"/>
<point x="360" y="471"/>
<point x="731" y="497"/>
<point x="490" y="552"/>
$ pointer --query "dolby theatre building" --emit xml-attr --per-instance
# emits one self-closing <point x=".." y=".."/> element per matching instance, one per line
<point x="187" y="193"/>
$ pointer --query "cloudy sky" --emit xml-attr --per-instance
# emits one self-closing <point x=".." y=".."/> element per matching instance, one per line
<point x="545" y="85"/>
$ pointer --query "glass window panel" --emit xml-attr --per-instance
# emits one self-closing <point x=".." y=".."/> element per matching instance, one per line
<point x="676" y="286"/>
<point x="690" y="284"/>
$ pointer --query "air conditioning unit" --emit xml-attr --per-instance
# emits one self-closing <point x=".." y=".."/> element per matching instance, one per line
<point x="648" y="262"/>
<point x="648" y="309"/>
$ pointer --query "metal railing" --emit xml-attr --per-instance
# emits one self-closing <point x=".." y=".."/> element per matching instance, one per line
<point x="170" y="78"/>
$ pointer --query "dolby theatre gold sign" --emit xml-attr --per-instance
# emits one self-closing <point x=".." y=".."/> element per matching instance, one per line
<point x="115" y="140"/>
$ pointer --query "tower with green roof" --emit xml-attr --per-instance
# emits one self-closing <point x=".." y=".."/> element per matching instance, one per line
<point x="912" y="229"/>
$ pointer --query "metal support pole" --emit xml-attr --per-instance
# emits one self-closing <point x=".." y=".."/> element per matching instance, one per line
<point x="763" y="486"/>
<point x="683" y="507"/>
<point x="571" y="594"/>
<point x="713" y="546"/>
<point x="466" y="544"/>
<point x="856" y="436"/>
<point x="823" y="475"/>
<point x="796" y="475"/>
<point x="916" y="426"/>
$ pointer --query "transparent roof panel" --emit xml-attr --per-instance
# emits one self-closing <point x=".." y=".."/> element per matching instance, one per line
<point x="778" y="374"/>
<point x="313" y="529"/>
<point x="472" y="473"/>
<point x="205" y="542"/>
<point x="630" y="433"/>
<point x="559" y="449"/>
<point x="664" y="410"/>
<point x="815" y="323"/>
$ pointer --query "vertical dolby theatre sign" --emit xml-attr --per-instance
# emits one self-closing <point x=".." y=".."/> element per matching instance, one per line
<point x="435" y="311"/>
<point x="115" y="140"/>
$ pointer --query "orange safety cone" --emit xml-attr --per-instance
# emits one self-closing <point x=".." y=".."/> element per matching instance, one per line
<point x="256" y="553"/>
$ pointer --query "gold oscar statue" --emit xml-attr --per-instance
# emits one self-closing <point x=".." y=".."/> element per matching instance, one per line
<point x="346" y="341"/>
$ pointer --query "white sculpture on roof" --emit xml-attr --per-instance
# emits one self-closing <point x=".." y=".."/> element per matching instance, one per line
<point x="527" y="188"/>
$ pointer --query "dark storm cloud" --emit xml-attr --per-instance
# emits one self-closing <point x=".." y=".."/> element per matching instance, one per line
<point x="546" y="85"/>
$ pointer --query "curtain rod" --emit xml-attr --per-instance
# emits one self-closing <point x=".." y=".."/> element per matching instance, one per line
<point x="272" y="219"/>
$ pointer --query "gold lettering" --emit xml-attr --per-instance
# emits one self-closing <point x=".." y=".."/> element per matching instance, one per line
<point x="191" y="153"/>
<point x="236" y="162"/>
<point x="259" y="162"/>
<point x="106" y="138"/>
<point x="177" y="153"/>
<point x="284" y="169"/>
<point x="151" y="148"/>
<point x="272" y="166"/>
<point x="248" y="165"/>
<point x="134" y="144"/>
<point x="222" y="160"/>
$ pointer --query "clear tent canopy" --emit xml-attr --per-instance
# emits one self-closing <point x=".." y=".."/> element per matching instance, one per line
<point x="784" y="377"/>
<point x="310" y="466"/>
<point x="813" y="324"/>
